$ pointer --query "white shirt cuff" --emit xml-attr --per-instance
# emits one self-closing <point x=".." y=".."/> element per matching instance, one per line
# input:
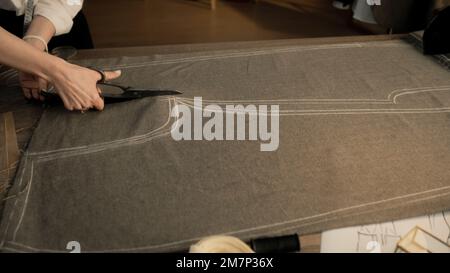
<point x="59" y="13"/>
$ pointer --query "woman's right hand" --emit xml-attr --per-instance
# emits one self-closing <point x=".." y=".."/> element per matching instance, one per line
<point x="77" y="86"/>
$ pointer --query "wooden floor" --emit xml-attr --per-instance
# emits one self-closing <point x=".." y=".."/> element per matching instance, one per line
<point x="118" y="23"/>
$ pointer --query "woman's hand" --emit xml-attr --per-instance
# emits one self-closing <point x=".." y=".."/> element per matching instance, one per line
<point x="32" y="86"/>
<point x="77" y="86"/>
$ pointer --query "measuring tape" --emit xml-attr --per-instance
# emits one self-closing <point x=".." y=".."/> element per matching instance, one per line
<point x="29" y="10"/>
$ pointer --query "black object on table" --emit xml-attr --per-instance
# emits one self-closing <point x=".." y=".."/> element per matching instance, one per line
<point x="436" y="38"/>
<point x="281" y="244"/>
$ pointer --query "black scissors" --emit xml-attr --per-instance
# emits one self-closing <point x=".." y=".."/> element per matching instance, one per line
<point x="113" y="93"/>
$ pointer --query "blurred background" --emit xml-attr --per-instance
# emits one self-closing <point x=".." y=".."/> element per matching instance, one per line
<point x="119" y="23"/>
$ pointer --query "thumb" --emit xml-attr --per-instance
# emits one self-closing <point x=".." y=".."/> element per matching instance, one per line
<point x="111" y="75"/>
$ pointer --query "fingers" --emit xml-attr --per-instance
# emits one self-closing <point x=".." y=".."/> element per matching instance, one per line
<point x="32" y="86"/>
<point x="91" y="99"/>
<point x="98" y="102"/>
<point x="78" y="88"/>
<point x="36" y="93"/>
<point x="67" y="103"/>
<point x="39" y="84"/>
<point x="31" y="89"/>
<point x="43" y="85"/>
<point x="111" y="75"/>
<point x="81" y="101"/>
<point x="27" y="93"/>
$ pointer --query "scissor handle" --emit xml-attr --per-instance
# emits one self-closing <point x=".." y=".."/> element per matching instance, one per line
<point x="102" y="74"/>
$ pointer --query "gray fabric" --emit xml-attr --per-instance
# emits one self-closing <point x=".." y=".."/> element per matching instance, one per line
<point x="363" y="138"/>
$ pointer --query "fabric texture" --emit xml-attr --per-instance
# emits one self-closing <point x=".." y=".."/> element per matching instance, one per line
<point x="363" y="138"/>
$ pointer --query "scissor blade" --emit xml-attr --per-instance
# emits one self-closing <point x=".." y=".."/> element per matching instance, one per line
<point x="134" y="95"/>
<point x="142" y="93"/>
<point x="128" y="95"/>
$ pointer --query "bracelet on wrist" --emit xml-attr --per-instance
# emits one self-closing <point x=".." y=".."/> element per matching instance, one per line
<point x="28" y="37"/>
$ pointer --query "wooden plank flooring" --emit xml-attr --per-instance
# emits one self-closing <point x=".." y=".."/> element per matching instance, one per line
<point x="118" y="23"/>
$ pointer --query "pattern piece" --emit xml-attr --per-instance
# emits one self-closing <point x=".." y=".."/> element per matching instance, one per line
<point x="363" y="138"/>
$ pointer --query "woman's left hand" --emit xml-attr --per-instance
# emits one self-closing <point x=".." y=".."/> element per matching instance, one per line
<point x="32" y="86"/>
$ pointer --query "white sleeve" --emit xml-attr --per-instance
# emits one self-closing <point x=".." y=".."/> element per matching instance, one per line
<point x="59" y="12"/>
